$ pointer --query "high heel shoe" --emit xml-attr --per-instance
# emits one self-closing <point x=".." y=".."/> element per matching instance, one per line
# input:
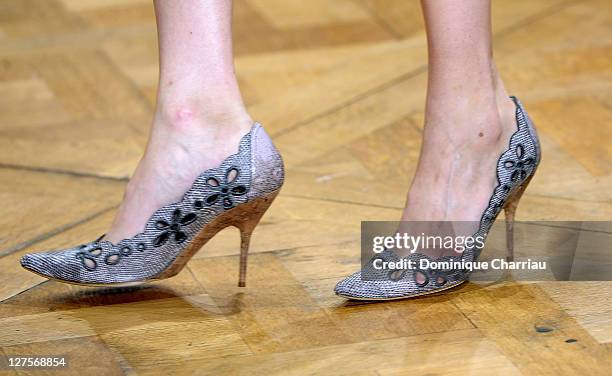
<point x="515" y="168"/>
<point x="236" y="193"/>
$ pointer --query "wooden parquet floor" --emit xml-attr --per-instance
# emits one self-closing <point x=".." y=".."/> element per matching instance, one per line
<point x="340" y="85"/>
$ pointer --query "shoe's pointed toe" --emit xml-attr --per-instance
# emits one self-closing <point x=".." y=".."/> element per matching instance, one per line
<point x="28" y="261"/>
<point x="37" y="263"/>
<point x="357" y="288"/>
<point x="345" y="286"/>
<point x="60" y="265"/>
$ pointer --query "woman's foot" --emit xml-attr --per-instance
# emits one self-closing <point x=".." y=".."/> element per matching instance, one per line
<point x="464" y="136"/>
<point x="185" y="140"/>
<point x="387" y="277"/>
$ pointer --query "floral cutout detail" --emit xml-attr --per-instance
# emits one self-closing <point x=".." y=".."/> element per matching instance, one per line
<point x="115" y="257"/>
<point x="438" y="277"/>
<point x="520" y="167"/>
<point x="396" y="275"/>
<point x="223" y="191"/>
<point x="421" y="277"/>
<point x="87" y="255"/>
<point x="494" y="209"/>
<point x="173" y="228"/>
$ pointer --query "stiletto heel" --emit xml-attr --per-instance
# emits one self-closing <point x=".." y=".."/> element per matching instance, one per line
<point x="246" y="225"/>
<point x="509" y="211"/>
<point x="245" y="240"/>
<point x="515" y="168"/>
<point x="236" y="193"/>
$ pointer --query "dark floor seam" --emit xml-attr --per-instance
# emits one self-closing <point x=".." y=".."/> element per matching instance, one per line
<point x="52" y="233"/>
<point x="46" y="170"/>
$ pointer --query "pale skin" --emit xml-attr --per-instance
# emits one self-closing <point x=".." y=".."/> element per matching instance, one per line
<point x="200" y="115"/>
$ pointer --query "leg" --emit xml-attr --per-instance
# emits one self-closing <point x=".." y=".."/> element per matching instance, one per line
<point x="468" y="117"/>
<point x="200" y="115"/>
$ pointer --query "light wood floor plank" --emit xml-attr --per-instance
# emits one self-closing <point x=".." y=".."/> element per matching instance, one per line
<point x="588" y="303"/>
<point x="366" y="358"/>
<point x="29" y="214"/>
<point x="510" y="316"/>
<point x="274" y="313"/>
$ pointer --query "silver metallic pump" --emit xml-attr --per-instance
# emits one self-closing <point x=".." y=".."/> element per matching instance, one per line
<point x="236" y="193"/>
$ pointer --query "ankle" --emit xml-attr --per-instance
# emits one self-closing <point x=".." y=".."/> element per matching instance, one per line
<point x="469" y="123"/>
<point x="202" y="115"/>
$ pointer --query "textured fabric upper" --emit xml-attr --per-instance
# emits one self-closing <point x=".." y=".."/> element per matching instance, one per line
<point x="240" y="177"/>
<point x="516" y="165"/>
<point x="267" y="169"/>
